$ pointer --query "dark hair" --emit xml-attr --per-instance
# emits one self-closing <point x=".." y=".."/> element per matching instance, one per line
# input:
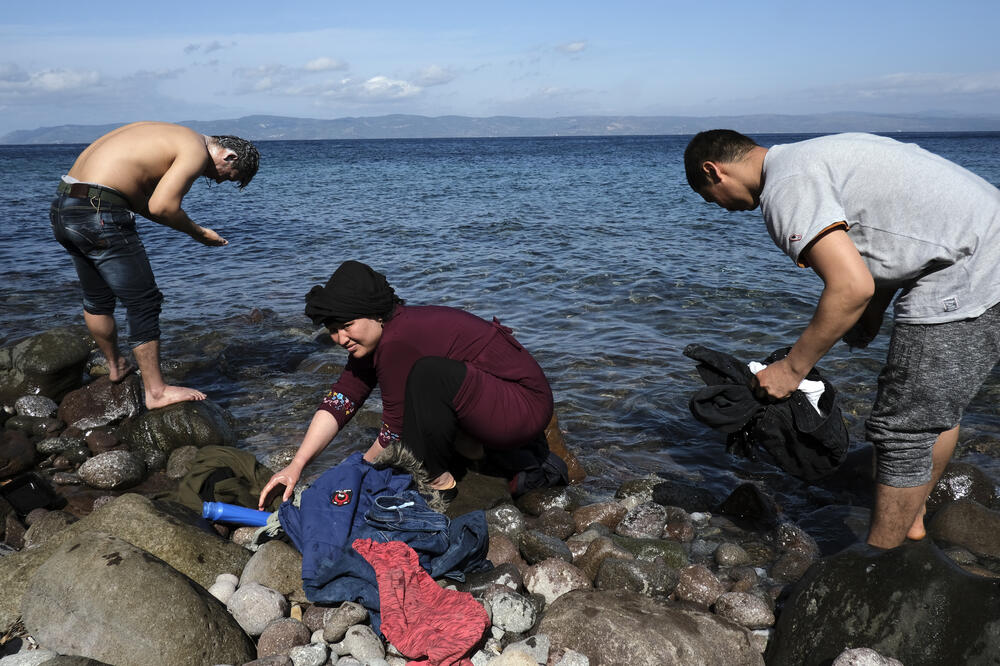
<point x="718" y="145"/>
<point x="247" y="157"/>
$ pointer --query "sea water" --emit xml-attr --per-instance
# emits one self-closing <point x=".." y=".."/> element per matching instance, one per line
<point x="594" y="250"/>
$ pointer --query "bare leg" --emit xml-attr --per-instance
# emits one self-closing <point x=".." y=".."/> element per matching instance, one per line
<point x="943" y="448"/>
<point x="158" y="392"/>
<point x="899" y="512"/>
<point x="105" y="334"/>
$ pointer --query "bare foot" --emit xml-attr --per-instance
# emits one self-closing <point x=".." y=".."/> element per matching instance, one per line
<point x="917" y="530"/>
<point x="172" y="394"/>
<point x="120" y="370"/>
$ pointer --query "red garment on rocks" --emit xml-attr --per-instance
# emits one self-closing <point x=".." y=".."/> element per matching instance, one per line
<point x="426" y="623"/>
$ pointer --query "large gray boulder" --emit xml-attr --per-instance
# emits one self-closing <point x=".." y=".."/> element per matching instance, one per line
<point x="158" y="528"/>
<point x="101" y="597"/>
<point x="193" y="423"/>
<point x="616" y="627"/>
<point x="910" y="603"/>
<point x="49" y="364"/>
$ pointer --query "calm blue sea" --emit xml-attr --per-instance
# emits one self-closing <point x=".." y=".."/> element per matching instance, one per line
<point x="593" y="249"/>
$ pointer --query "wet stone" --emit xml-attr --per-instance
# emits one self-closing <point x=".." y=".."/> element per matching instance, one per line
<point x="537" y="546"/>
<point x="507" y="519"/>
<point x="179" y="461"/>
<point x="537" y="502"/>
<point x="608" y="514"/>
<point x="751" y="506"/>
<point x="557" y="523"/>
<point x="646" y="520"/>
<point x="100" y="441"/>
<point x="671" y="552"/>
<point x="731" y="555"/>
<point x="113" y="470"/>
<point x="35" y="405"/>
<point x="688" y="496"/>
<point x="697" y="584"/>
<point x="746" y="609"/>
<point x="51" y="445"/>
<point x="790" y="567"/>
<point x="502" y="550"/>
<point x="794" y="539"/>
<point x="599" y="550"/>
<point x="504" y="575"/>
<point x="652" y="579"/>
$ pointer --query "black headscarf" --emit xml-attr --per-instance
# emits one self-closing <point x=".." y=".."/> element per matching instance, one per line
<point x="353" y="291"/>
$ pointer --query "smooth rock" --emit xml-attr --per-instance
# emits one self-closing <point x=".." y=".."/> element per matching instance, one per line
<point x="255" y="607"/>
<point x="599" y="550"/>
<point x="193" y="423"/>
<point x="35" y="405"/>
<point x="101" y="586"/>
<point x="336" y="621"/>
<point x="280" y="636"/>
<point x="278" y="566"/>
<point x="536" y="546"/>
<point x="615" y="627"/>
<point x="698" y="585"/>
<point x="970" y="525"/>
<point x="556" y="522"/>
<point x="510" y="611"/>
<point x="608" y="514"/>
<point x="314" y="654"/>
<point x="751" y="506"/>
<point x="731" y="555"/>
<point x="746" y="609"/>
<point x="553" y="578"/>
<point x="686" y="495"/>
<point x="113" y="470"/>
<point x="910" y="603"/>
<point x="646" y="521"/>
<point x="506" y="519"/>
<point x="166" y="531"/>
<point x="179" y="461"/>
<point x="45" y="526"/>
<point x="17" y="453"/>
<point x="49" y="364"/>
<point x="652" y="579"/>
<point x="102" y="403"/>
<point x="863" y="657"/>
<point x="362" y="642"/>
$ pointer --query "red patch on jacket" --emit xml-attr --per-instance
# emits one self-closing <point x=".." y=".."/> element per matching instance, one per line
<point x="341" y="497"/>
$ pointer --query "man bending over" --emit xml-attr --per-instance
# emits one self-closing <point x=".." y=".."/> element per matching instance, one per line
<point x="143" y="168"/>
<point x="873" y="217"/>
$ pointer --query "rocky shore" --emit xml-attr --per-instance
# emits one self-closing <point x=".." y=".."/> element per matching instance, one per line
<point x="663" y="572"/>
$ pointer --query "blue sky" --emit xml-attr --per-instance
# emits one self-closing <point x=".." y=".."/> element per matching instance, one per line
<point x="109" y="62"/>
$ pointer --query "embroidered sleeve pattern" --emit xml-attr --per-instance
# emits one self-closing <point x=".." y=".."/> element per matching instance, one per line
<point x="387" y="436"/>
<point x="339" y="405"/>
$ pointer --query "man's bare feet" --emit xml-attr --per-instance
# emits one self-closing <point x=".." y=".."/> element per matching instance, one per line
<point x="172" y="394"/>
<point x="120" y="370"/>
<point x="917" y="530"/>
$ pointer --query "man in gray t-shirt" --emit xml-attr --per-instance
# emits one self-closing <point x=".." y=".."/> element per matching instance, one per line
<point x="875" y="218"/>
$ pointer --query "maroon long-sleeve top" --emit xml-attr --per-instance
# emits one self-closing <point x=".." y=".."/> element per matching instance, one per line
<point x="504" y="400"/>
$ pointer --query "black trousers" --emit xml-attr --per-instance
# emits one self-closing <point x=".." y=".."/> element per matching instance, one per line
<point x="430" y="423"/>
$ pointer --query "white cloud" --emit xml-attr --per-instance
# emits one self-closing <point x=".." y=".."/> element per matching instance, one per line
<point x="14" y="80"/>
<point x="207" y="47"/>
<point x="384" y="88"/>
<point x="572" y="47"/>
<point x="325" y="65"/>
<point x="435" y="75"/>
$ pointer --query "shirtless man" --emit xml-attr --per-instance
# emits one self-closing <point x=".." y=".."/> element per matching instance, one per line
<point x="878" y="221"/>
<point x="143" y="168"/>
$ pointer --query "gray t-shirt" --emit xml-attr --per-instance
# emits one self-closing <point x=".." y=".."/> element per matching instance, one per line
<point x="920" y="222"/>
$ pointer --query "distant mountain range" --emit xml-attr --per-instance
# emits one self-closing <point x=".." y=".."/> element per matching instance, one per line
<point x="264" y="128"/>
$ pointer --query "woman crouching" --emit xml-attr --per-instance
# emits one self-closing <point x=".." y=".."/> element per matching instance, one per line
<point x="442" y="372"/>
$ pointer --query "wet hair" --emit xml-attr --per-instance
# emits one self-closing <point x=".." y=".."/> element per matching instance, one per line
<point x="718" y="145"/>
<point x="247" y="157"/>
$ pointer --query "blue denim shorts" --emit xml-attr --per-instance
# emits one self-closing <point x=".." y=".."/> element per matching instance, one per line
<point x="110" y="261"/>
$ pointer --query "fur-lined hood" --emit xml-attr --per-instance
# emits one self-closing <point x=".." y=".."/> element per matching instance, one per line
<point x="398" y="457"/>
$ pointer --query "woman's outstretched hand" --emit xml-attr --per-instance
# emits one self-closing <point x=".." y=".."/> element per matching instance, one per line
<point x="287" y="477"/>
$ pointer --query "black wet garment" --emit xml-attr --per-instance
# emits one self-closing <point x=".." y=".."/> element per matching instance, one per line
<point x="352" y="292"/>
<point x="803" y="442"/>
